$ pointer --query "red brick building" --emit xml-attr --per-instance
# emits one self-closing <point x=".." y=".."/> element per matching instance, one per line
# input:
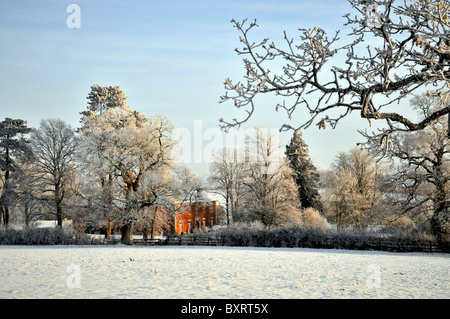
<point x="196" y="215"/>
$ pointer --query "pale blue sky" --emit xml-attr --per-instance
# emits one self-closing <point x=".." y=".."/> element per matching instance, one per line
<point x="169" y="57"/>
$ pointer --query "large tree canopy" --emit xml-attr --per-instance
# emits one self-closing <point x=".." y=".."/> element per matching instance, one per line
<point x="132" y="147"/>
<point x="409" y="50"/>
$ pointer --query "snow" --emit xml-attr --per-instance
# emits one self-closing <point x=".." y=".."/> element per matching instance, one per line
<point x="66" y="223"/>
<point x="218" y="272"/>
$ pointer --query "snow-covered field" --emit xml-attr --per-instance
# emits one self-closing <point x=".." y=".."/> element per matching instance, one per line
<point x="218" y="272"/>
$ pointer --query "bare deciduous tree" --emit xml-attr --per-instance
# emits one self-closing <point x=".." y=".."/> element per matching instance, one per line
<point x="409" y="49"/>
<point x="134" y="146"/>
<point x="54" y="146"/>
<point x="100" y="99"/>
<point x="352" y="189"/>
<point x="28" y="192"/>
<point x="226" y="177"/>
<point x="423" y="168"/>
<point x="271" y="193"/>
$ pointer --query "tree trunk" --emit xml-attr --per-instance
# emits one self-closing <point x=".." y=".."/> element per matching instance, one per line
<point x="6" y="195"/>
<point x="150" y="225"/>
<point x="59" y="215"/>
<point x="126" y="234"/>
<point x="228" y="205"/>
<point x="109" y="205"/>
<point x="58" y="204"/>
<point x="145" y="232"/>
<point x="127" y="221"/>
<point x="440" y="221"/>
<point x="108" y="229"/>
<point x="152" y="231"/>
<point x="6" y="217"/>
<point x="27" y="214"/>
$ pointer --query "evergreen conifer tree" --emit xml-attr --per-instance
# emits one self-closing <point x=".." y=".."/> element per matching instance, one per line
<point x="12" y="146"/>
<point x="305" y="173"/>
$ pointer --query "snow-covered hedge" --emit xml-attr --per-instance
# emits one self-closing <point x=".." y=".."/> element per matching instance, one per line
<point x="311" y="237"/>
<point x="42" y="236"/>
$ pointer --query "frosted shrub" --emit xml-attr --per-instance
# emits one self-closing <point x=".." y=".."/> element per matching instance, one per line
<point x="315" y="237"/>
<point x="244" y="234"/>
<point x="405" y="223"/>
<point x="312" y="217"/>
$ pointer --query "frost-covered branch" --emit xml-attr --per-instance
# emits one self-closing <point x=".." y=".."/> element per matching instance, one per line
<point x="411" y="51"/>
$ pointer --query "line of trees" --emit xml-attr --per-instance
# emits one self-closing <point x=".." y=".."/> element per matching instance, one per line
<point x="330" y="78"/>
<point x="116" y="168"/>
<point x="405" y="188"/>
<point x="260" y="184"/>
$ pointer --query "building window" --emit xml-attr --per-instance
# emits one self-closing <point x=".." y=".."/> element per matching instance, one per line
<point x="212" y="222"/>
<point x="189" y="227"/>
<point x="204" y="222"/>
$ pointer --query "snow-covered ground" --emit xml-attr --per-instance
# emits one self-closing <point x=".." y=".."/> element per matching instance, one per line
<point x="218" y="272"/>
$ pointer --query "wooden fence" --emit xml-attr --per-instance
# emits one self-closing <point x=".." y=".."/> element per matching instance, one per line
<point x="385" y="244"/>
<point x="179" y="240"/>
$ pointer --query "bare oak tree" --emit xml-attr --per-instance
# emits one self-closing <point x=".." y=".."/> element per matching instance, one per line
<point x="100" y="100"/>
<point x="54" y="146"/>
<point x="410" y="50"/>
<point x="423" y="168"/>
<point x="134" y="146"/>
